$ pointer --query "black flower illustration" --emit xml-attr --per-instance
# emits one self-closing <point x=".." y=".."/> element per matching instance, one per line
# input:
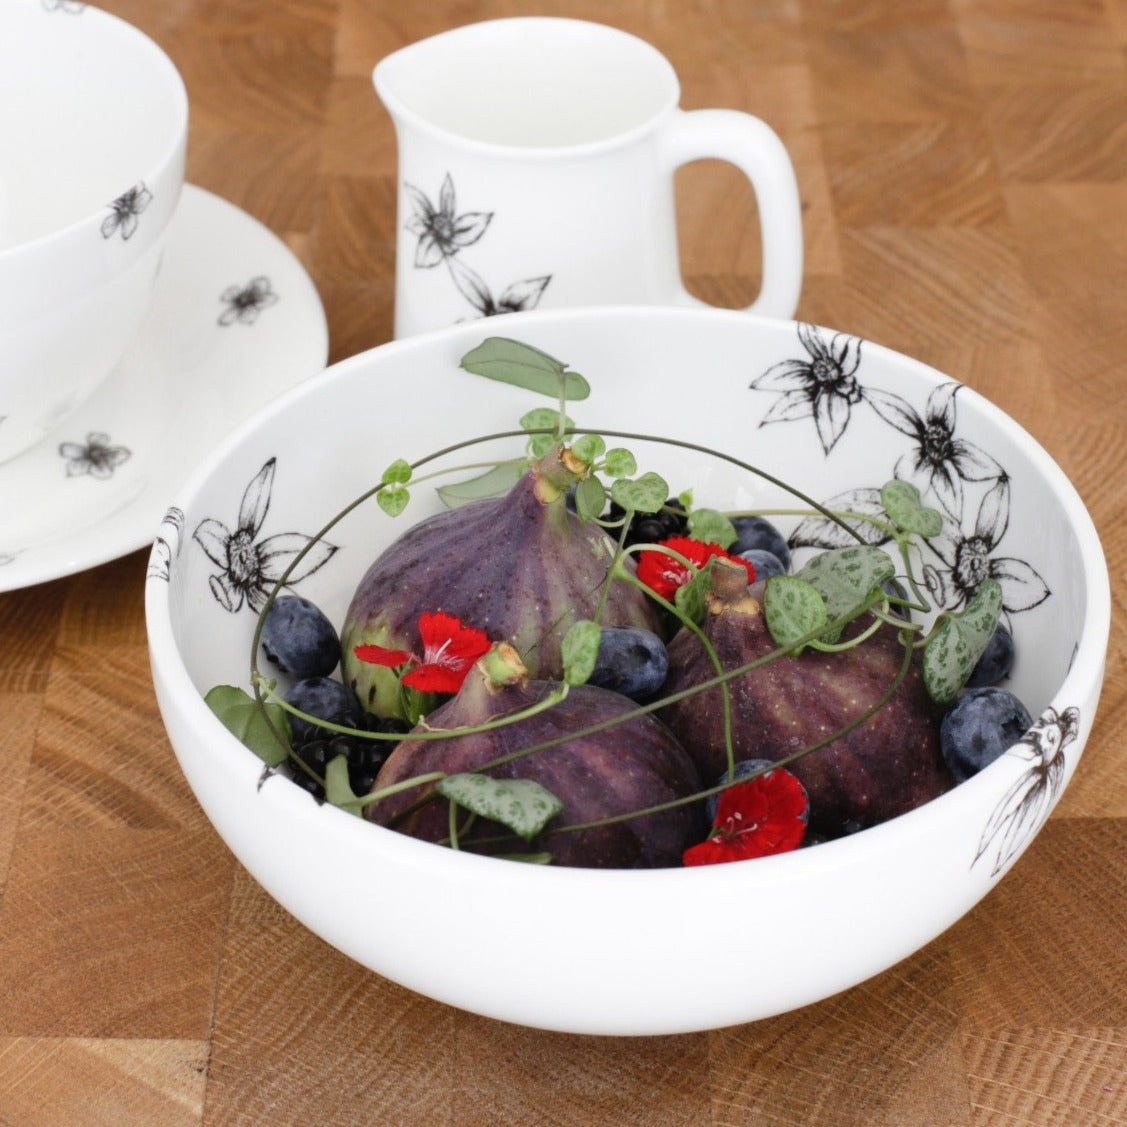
<point x="1026" y="805"/>
<point x="96" y="458"/>
<point x="124" y="211"/>
<point x="518" y="296"/>
<point x="249" y="568"/>
<point x="823" y="387"/>
<point x="939" y="457"/>
<point x="968" y="559"/>
<point x="244" y="302"/>
<point x="166" y="545"/>
<point x="442" y="231"/>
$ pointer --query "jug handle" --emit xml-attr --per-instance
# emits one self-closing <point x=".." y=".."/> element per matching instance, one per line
<point x="755" y="149"/>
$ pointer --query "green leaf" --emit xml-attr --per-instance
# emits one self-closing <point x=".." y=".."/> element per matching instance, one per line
<point x="955" y="645"/>
<point x="493" y="483"/>
<point x="619" y="462"/>
<point x="588" y="448"/>
<point x="398" y="473"/>
<point x="645" y="494"/>
<point x="510" y="361"/>
<point x="691" y="598"/>
<point x="845" y="577"/>
<point x="393" y="500"/>
<point x="792" y="609"/>
<point x="540" y="444"/>
<point x="712" y="527"/>
<point x="901" y="501"/>
<point x="523" y="805"/>
<point x="243" y="717"/>
<point x="338" y="790"/>
<point x="590" y="497"/>
<point x="542" y="418"/>
<point x="579" y="651"/>
<point x="527" y="858"/>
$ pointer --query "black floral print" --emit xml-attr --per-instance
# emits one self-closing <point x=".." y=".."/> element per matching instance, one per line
<point x="249" y="567"/>
<point x="941" y="459"/>
<point x="95" y="458"/>
<point x="125" y="210"/>
<point x="518" y="296"/>
<point x="969" y="556"/>
<point x="1026" y="805"/>
<point x="823" y="386"/>
<point x="166" y="545"/>
<point x="443" y="233"/>
<point x="245" y="302"/>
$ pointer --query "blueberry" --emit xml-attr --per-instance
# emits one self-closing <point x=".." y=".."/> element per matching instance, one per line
<point x="997" y="660"/>
<point x="299" y="639"/>
<point x="896" y="590"/>
<point x="742" y="769"/>
<point x="765" y="563"/>
<point x="981" y="725"/>
<point x="631" y="661"/>
<point x="757" y="532"/>
<point x="327" y="700"/>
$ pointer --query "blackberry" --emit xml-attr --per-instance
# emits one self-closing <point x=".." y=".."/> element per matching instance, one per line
<point x="649" y="528"/>
<point x="327" y="700"/>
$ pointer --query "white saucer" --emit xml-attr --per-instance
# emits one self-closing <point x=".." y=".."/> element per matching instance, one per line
<point x="235" y="321"/>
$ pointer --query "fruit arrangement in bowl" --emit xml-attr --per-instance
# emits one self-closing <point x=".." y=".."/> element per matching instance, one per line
<point x="506" y="679"/>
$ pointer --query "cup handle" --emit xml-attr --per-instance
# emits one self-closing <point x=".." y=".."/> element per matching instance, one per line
<point x="755" y="149"/>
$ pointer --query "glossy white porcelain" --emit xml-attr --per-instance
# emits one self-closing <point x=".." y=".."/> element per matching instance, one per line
<point x="536" y="164"/>
<point x="94" y="121"/>
<point x="633" y="952"/>
<point x="235" y="321"/>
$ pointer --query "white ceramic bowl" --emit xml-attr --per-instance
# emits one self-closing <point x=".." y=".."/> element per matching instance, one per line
<point x="94" y="121"/>
<point x="631" y="952"/>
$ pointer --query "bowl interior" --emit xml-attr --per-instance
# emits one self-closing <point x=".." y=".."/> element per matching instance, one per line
<point x="755" y="390"/>
<point x="1018" y="521"/>
<point x="89" y="106"/>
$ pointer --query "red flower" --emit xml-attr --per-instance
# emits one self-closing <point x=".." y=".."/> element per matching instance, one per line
<point x="449" y="651"/>
<point x="756" y="818"/>
<point x="663" y="574"/>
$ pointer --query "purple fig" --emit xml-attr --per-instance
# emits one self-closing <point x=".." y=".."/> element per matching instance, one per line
<point x="887" y="766"/>
<point x="521" y="568"/>
<point x="631" y="765"/>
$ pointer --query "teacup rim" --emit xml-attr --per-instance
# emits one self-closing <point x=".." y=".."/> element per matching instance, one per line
<point x="171" y="157"/>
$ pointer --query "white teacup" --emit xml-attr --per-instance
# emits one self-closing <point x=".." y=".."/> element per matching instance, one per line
<point x="93" y="130"/>
<point x="536" y="162"/>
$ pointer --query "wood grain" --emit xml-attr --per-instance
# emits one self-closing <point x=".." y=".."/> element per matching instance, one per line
<point x="963" y="168"/>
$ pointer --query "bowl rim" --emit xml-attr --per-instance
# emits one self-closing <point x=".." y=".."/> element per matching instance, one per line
<point x="1085" y="671"/>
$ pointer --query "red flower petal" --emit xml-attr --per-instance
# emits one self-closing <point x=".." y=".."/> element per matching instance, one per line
<point x="449" y="651"/>
<point x="756" y="818"/>
<point x="446" y="640"/>
<point x="378" y="655"/>
<point x="663" y="574"/>
<point x="436" y="678"/>
<point x="709" y="852"/>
